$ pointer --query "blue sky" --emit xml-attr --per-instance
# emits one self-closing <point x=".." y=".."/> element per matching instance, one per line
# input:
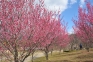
<point x="68" y="9"/>
<point x="72" y="12"/>
<point x="69" y="13"/>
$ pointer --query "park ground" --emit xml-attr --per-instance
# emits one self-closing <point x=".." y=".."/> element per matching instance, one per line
<point x="72" y="56"/>
<point x="67" y="56"/>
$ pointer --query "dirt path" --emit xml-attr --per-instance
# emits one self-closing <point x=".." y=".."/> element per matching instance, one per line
<point x="36" y="55"/>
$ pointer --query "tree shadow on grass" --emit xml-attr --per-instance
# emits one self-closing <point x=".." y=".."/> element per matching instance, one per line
<point x="90" y="55"/>
<point x="66" y="54"/>
<point x="88" y="61"/>
<point x="60" y="61"/>
<point x="85" y="57"/>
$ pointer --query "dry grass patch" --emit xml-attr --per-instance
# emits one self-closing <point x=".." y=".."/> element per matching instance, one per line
<point x="74" y="56"/>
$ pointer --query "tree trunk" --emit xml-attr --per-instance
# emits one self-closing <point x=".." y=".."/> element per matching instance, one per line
<point x="46" y="54"/>
<point x="32" y="56"/>
<point x="15" y="54"/>
<point x="71" y="47"/>
<point x="87" y="49"/>
<point x="60" y="50"/>
<point x="1" y="57"/>
<point x="51" y="52"/>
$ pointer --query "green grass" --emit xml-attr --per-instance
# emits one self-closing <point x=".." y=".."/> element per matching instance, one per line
<point x="74" y="56"/>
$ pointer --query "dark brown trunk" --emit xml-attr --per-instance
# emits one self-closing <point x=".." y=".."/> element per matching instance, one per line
<point x="46" y="53"/>
<point x="15" y="54"/>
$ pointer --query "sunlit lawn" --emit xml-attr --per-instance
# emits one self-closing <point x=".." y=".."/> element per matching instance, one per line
<point x="74" y="56"/>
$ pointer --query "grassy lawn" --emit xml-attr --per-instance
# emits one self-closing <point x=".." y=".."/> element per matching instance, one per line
<point x="74" y="56"/>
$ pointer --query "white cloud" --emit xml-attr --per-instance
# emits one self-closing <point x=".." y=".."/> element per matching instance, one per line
<point x="56" y="5"/>
<point x="73" y="1"/>
<point x="82" y="2"/>
<point x="71" y="31"/>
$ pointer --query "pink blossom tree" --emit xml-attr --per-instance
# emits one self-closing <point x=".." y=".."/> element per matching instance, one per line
<point x="17" y="27"/>
<point x="49" y="29"/>
<point x="84" y="24"/>
<point x="47" y="32"/>
<point x="63" y="37"/>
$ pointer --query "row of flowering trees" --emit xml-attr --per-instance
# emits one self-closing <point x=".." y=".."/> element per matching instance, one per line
<point x="26" y="25"/>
